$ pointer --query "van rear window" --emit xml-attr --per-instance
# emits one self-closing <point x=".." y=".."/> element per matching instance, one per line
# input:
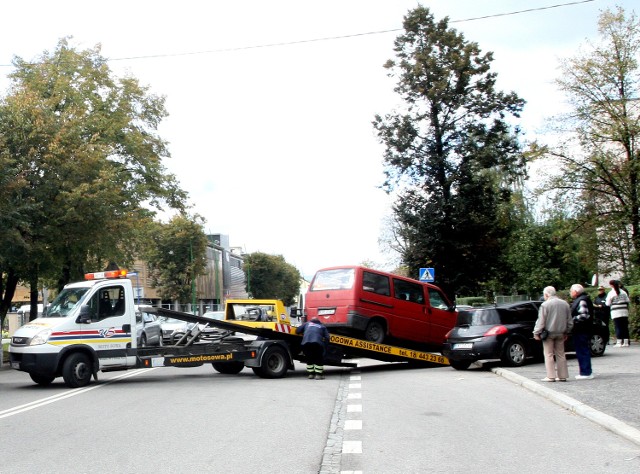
<point x="339" y="279"/>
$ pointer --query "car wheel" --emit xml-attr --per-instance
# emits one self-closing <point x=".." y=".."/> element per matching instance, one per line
<point x="459" y="364"/>
<point x="42" y="380"/>
<point x="597" y="345"/>
<point x="375" y="332"/>
<point x="160" y="342"/>
<point x="514" y="354"/>
<point x="143" y="340"/>
<point x="77" y="370"/>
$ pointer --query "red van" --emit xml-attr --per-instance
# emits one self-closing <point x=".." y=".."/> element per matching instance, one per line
<point x="379" y="306"/>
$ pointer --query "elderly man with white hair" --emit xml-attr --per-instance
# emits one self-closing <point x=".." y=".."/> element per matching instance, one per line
<point x="554" y="316"/>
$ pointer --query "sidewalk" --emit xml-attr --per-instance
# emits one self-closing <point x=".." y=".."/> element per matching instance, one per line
<point x="610" y="399"/>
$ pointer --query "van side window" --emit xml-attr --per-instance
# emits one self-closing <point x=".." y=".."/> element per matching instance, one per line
<point x="107" y="302"/>
<point x="437" y="299"/>
<point x="375" y="283"/>
<point x="407" y="291"/>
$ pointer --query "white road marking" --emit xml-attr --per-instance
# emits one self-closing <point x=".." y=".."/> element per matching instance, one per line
<point x="352" y="447"/>
<point x="62" y="396"/>
<point x="354" y="408"/>
<point x="353" y="424"/>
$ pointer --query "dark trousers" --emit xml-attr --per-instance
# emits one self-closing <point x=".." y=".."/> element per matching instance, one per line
<point x="314" y="353"/>
<point x="583" y="353"/>
<point x="622" y="328"/>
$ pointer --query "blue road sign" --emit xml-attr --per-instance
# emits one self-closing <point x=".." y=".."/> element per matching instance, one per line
<point x="427" y="274"/>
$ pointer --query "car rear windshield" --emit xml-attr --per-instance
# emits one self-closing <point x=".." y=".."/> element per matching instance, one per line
<point x="478" y="317"/>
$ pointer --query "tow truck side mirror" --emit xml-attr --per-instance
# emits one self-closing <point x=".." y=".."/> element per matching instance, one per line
<point x="85" y="315"/>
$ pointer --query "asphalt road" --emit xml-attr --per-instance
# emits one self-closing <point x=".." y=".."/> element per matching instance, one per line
<point x="408" y="419"/>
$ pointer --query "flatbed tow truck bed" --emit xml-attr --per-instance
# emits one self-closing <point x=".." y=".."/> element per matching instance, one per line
<point x="340" y="347"/>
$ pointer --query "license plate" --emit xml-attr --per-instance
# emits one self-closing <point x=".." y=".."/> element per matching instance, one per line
<point x="326" y="312"/>
<point x="463" y="345"/>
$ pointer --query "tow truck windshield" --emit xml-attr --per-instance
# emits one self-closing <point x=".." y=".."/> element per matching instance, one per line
<point x="65" y="302"/>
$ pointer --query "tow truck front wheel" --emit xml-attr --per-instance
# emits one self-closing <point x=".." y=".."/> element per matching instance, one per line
<point x="275" y="363"/>
<point x="42" y="380"/>
<point x="77" y="370"/>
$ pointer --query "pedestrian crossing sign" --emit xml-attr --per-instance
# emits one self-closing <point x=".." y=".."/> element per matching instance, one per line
<point x="427" y="274"/>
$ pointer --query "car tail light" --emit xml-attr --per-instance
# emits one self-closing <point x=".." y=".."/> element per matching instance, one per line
<point x="447" y="335"/>
<point x="496" y="331"/>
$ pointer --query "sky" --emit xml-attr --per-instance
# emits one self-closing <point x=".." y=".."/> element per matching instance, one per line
<point x="271" y="103"/>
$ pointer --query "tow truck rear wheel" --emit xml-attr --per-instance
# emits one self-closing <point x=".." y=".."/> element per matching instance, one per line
<point x="275" y="363"/>
<point x="228" y="367"/>
<point x="42" y="380"/>
<point x="77" y="370"/>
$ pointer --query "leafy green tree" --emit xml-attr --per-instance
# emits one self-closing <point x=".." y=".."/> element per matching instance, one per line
<point x="82" y="152"/>
<point x="270" y="276"/>
<point x="176" y="256"/>
<point x="599" y="162"/>
<point x="451" y="154"/>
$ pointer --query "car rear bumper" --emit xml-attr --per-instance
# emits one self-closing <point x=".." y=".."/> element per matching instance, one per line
<point x="483" y="349"/>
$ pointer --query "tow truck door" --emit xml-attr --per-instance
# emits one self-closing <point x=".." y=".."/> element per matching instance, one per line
<point x="106" y="332"/>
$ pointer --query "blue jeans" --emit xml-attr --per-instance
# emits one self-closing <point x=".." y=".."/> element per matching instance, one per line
<point x="583" y="353"/>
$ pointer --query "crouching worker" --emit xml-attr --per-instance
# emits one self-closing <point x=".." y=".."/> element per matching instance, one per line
<point x="315" y="338"/>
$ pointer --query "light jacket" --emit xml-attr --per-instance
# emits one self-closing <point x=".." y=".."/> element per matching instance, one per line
<point x="554" y="315"/>
<point x="619" y="304"/>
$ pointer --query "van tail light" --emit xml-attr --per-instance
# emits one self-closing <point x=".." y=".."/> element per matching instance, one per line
<point x="496" y="331"/>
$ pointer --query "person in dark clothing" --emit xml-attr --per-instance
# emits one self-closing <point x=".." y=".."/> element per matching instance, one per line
<point x="582" y="313"/>
<point x="315" y="338"/>
<point x="600" y="308"/>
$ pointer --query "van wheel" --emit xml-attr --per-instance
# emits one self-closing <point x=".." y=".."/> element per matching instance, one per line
<point x="77" y="370"/>
<point x="275" y="363"/>
<point x="231" y="368"/>
<point x="42" y="380"/>
<point x="375" y="332"/>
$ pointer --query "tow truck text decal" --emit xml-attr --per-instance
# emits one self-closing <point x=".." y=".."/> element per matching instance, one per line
<point x="372" y="346"/>
<point x="200" y="358"/>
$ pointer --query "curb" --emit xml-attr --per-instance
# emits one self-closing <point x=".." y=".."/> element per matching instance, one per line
<point x="608" y="422"/>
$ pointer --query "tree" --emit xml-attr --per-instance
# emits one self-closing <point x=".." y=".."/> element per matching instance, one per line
<point x="270" y="276"/>
<point x="81" y="151"/>
<point x="177" y="256"/>
<point x="600" y="159"/>
<point x="451" y="154"/>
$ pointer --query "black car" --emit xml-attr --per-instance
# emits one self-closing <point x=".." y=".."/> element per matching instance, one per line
<point x="505" y="332"/>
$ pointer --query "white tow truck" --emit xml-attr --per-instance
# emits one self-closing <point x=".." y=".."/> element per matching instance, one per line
<point x="91" y="327"/>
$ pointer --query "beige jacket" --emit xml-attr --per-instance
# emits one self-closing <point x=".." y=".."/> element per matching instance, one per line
<point x="554" y="315"/>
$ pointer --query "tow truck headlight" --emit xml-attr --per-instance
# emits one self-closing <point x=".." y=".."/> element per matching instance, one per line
<point x="41" y="338"/>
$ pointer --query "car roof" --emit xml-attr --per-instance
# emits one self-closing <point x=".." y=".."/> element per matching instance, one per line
<point x="510" y="305"/>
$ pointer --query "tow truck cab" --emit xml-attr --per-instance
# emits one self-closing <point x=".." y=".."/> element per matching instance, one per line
<point x="88" y="327"/>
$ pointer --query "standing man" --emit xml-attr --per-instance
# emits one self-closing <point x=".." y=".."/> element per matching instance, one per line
<point x="600" y="308"/>
<point x="315" y="338"/>
<point x="582" y="313"/>
<point x="554" y="315"/>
